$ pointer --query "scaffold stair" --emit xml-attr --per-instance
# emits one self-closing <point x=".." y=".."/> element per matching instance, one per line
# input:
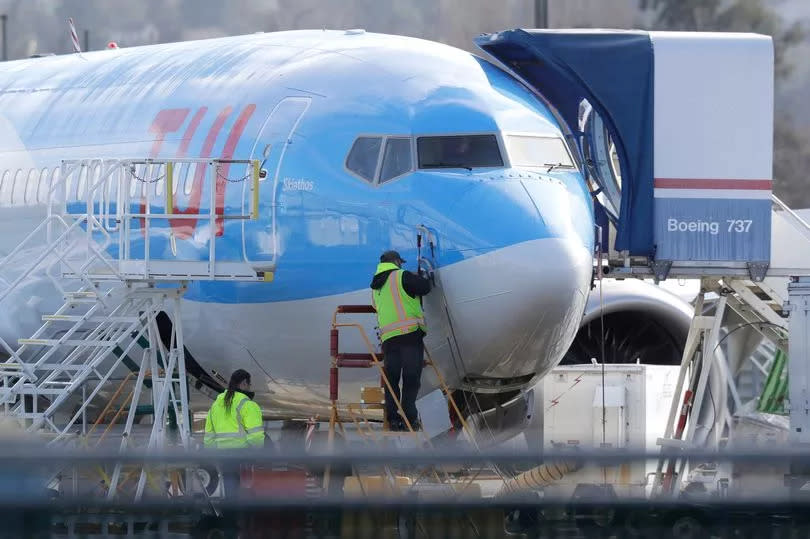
<point x="112" y="295"/>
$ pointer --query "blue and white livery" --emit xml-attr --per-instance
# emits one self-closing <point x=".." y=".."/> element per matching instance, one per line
<point x="364" y="138"/>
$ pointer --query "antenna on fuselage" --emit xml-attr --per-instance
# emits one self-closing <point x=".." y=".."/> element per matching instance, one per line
<point x="74" y="37"/>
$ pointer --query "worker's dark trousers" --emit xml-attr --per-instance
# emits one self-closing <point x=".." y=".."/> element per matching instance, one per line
<point x="405" y="360"/>
<point x="232" y="479"/>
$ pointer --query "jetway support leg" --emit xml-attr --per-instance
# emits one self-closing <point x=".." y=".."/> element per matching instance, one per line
<point x="799" y="359"/>
<point x="799" y="373"/>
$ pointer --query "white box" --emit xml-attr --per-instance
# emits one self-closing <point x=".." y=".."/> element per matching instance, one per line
<point x="636" y="406"/>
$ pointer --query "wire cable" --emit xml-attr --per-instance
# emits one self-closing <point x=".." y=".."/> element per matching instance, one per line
<point x="603" y="359"/>
<point x="741" y="326"/>
<point x="463" y="370"/>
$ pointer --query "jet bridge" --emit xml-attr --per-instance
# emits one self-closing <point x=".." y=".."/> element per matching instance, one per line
<point x="674" y="131"/>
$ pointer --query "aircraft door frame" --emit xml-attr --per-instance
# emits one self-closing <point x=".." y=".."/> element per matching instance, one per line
<point x="270" y="147"/>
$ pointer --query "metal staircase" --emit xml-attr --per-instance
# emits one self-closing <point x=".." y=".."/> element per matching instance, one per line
<point x="760" y="308"/>
<point x="97" y="254"/>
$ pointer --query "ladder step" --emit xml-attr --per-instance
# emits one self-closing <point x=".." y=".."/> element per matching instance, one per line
<point x="81" y="300"/>
<point x="36" y="391"/>
<point x="69" y="342"/>
<point x="372" y="395"/>
<point x="79" y="318"/>
<point x="11" y="365"/>
<point x="81" y="294"/>
<point x="60" y="318"/>
<point x="57" y="367"/>
<point x="401" y="435"/>
<point x="367" y="405"/>
<point x="673" y="443"/>
<point x="29" y="415"/>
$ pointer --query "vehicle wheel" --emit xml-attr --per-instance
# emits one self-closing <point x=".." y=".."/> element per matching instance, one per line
<point x="209" y="477"/>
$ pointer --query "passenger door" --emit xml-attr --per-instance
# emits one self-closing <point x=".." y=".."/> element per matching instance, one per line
<point x="260" y="243"/>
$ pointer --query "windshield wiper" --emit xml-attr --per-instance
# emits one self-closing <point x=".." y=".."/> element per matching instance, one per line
<point x="552" y="166"/>
<point x="452" y="165"/>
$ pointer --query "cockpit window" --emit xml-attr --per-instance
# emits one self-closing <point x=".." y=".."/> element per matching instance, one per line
<point x="459" y="151"/>
<point x="537" y="151"/>
<point x="396" y="158"/>
<point x="362" y="159"/>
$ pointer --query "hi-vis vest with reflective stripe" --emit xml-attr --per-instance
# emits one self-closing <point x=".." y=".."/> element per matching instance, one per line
<point x="239" y="427"/>
<point x="397" y="312"/>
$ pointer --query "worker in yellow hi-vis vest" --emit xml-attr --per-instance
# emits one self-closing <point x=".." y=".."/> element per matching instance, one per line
<point x="395" y="294"/>
<point x="234" y="422"/>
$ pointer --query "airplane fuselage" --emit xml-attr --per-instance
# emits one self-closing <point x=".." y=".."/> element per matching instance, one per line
<point x="356" y="132"/>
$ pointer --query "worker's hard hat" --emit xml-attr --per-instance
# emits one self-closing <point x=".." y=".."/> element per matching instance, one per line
<point x="392" y="257"/>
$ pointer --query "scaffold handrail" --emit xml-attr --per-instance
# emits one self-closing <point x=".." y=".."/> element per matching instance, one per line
<point x="117" y="196"/>
<point x="798" y="223"/>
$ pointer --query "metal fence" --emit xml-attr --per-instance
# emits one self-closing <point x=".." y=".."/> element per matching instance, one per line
<point x="50" y="493"/>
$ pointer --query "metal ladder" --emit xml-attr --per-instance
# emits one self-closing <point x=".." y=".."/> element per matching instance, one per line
<point x="760" y="307"/>
<point x="111" y="298"/>
<point x="364" y="423"/>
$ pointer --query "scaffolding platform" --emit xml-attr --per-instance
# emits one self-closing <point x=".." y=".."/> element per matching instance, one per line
<point x="97" y="247"/>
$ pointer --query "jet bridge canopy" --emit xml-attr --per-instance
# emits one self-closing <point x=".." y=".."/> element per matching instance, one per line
<point x="688" y="117"/>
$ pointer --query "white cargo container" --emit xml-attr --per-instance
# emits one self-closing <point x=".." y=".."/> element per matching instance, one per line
<point x="636" y="404"/>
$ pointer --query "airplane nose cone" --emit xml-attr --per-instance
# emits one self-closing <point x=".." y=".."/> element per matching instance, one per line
<point x="512" y="313"/>
<point x="502" y="318"/>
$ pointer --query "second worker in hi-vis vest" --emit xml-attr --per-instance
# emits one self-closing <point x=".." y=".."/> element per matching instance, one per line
<point x="395" y="294"/>
<point x="234" y="422"/>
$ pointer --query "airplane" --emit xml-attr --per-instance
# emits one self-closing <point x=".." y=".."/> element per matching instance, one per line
<point x="366" y="141"/>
